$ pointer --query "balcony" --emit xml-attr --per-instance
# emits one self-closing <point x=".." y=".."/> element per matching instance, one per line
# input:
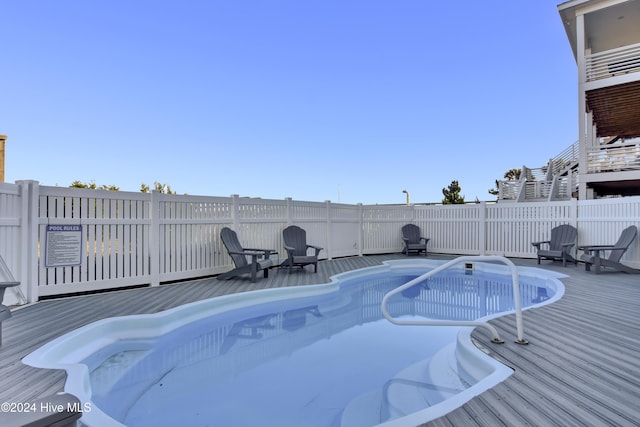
<point x="616" y="157"/>
<point x="612" y="63"/>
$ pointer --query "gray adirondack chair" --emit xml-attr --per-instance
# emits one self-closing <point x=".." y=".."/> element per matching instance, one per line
<point x="563" y="238"/>
<point x="259" y="257"/>
<point x="413" y="242"/>
<point x="594" y="254"/>
<point x="6" y="281"/>
<point x="295" y="243"/>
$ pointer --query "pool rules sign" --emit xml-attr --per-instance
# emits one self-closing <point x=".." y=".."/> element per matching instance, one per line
<point x="63" y="245"/>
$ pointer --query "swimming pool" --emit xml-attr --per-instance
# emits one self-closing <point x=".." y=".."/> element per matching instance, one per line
<point x="318" y="355"/>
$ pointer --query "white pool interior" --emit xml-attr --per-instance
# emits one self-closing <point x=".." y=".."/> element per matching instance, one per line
<point x="320" y="355"/>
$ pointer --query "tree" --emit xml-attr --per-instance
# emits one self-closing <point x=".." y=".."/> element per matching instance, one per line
<point x="513" y="174"/>
<point x="92" y="186"/>
<point x="144" y="188"/>
<point x="452" y="194"/>
<point x="510" y="175"/>
<point x="162" y="188"/>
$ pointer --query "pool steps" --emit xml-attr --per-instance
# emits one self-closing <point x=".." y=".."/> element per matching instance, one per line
<point x="446" y="382"/>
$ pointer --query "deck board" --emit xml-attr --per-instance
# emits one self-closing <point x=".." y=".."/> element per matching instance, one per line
<point x="580" y="368"/>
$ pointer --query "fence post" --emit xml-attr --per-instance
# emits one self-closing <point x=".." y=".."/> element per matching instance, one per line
<point x="482" y="234"/>
<point x="327" y="204"/>
<point x="575" y="217"/>
<point x="28" y="270"/>
<point x="235" y="207"/>
<point x="360" y="227"/>
<point x="154" y="237"/>
<point x="289" y="209"/>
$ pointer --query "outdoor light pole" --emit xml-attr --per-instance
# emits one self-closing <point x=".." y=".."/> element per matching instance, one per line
<point x="408" y="197"/>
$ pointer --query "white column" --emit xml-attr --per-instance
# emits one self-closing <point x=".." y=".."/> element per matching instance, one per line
<point x="582" y="106"/>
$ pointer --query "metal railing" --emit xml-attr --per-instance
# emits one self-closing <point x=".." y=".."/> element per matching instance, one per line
<point x="566" y="159"/>
<point x="495" y="336"/>
<point x="613" y="62"/>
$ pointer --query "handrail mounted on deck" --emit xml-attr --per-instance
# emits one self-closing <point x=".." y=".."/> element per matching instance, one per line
<point x="496" y="337"/>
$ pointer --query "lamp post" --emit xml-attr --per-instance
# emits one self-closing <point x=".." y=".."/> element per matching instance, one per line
<point x="3" y="138"/>
<point x="408" y="197"/>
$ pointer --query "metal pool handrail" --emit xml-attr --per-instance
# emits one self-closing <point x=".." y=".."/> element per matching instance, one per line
<point x="496" y="337"/>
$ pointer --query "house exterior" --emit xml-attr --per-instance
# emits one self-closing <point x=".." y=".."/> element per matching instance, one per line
<point x="605" y="40"/>
<point x="605" y="161"/>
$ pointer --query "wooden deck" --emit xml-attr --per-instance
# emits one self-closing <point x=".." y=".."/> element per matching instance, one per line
<point x="581" y="368"/>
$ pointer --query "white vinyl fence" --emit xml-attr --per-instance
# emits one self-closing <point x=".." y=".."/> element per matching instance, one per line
<point x="130" y="239"/>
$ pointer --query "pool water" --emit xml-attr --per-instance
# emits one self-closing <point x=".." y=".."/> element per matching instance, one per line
<point x="330" y="359"/>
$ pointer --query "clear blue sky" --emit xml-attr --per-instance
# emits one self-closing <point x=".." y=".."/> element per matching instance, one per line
<point x="349" y="101"/>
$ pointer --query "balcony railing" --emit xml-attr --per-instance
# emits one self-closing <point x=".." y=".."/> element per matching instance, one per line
<point x="566" y="185"/>
<point x="614" y="62"/>
<point x="614" y="158"/>
<point x="537" y="189"/>
<point x="508" y="190"/>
